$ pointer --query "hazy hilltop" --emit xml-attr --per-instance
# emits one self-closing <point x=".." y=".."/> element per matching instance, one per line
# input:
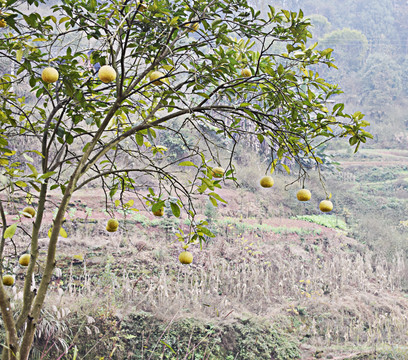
<point x="370" y="42"/>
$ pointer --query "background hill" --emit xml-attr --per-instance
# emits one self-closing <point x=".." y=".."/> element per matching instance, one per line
<point x="280" y="280"/>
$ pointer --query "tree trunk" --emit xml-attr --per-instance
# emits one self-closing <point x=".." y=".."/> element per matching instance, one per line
<point x="11" y="350"/>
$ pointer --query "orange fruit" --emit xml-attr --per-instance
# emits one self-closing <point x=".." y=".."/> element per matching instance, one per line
<point x="156" y="75"/>
<point x="49" y="75"/>
<point x="246" y="72"/>
<point x="218" y="172"/>
<point x="8" y="280"/>
<point x="326" y="206"/>
<point x="29" y="212"/>
<point x="112" y="225"/>
<point x="304" y="195"/>
<point x="107" y="74"/>
<point x="159" y="212"/>
<point x="267" y="182"/>
<point x="24" y="259"/>
<point x="186" y="257"/>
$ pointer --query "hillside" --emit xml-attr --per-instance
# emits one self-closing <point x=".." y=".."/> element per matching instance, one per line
<point x="267" y="286"/>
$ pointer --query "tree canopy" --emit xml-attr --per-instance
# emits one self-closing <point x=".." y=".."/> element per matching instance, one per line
<point x="208" y="74"/>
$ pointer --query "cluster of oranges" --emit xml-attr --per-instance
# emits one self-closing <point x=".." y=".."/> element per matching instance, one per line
<point x="106" y="74"/>
<point x="302" y="194"/>
<point x="24" y="259"/>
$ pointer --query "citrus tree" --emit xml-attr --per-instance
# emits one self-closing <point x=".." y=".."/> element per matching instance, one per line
<point x="89" y="89"/>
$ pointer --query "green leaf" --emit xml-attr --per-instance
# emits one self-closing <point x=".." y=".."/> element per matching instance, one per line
<point x="20" y="183"/>
<point x="218" y="197"/>
<point x="129" y="203"/>
<point x="47" y="175"/>
<point x="326" y="52"/>
<point x="168" y="346"/>
<point x="33" y="169"/>
<point x="353" y="140"/>
<point x="139" y="139"/>
<point x="273" y="165"/>
<point x="215" y="23"/>
<point x="28" y="158"/>
<point x="69" y="138"/>
<point x="286" y="168"/>
<point x="204" y="95"/>
<point x="63" y="19"/>
<point x="10" y="231"/>
<point x="280" y="152"/>
<point x="19" y="54"/>
<point x="187" y="163"/>
<point x="214" y="202"/>
<point x="206" y="231"/>
<point x="175" y="209"/>
<point x="157" y="206"/>
<point x="113" y="190"/>
<point x="174" y="21"/>
<point x="36" y="152"/>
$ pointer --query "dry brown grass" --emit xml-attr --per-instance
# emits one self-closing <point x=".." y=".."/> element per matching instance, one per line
<point x="317" y="287"/>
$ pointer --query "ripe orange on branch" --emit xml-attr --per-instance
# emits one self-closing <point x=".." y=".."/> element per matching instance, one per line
<point x="326" y="206"/>
<point x="218" y="172"/>
<point x="246" y="72"/>
<point x="112" y="225"/>
<point x="159" y="212"/>
<point x="24" y="259"/>
<point x="157" y="75"/>
<point x="186" y="257"/>
<point x="8" y="280"/>
<point x="49" y="75"/>
<point x="267" y="182"/>
<point x="107" y="74"/>
<point x="29" y="212"/>
<point x="304" y="195"/>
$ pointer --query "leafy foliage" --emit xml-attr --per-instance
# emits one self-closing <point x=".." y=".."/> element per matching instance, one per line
<point x="79" y="130"/>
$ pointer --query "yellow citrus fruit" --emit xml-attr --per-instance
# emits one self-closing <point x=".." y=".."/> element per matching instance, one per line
<point x="186" y="257"/>
<point x="29" y="212"/>
<point x="156" y="75"/>
<point x="3" y="23"/>
<point x="159" y="212"/>
<point x="304" y="195"/>
<point x="8" y="280"/>
<point x="107" y="74"/>
<point x="112" y="225"/>
<point x="24" y="260"/>
<point x="326" y="206"/>
<point x="267" y="182"/>
<point x="246" y="72"/>
<point x="193" y="27"/>
<point x="218" y="172"/>
<point x="49" y="75"/>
